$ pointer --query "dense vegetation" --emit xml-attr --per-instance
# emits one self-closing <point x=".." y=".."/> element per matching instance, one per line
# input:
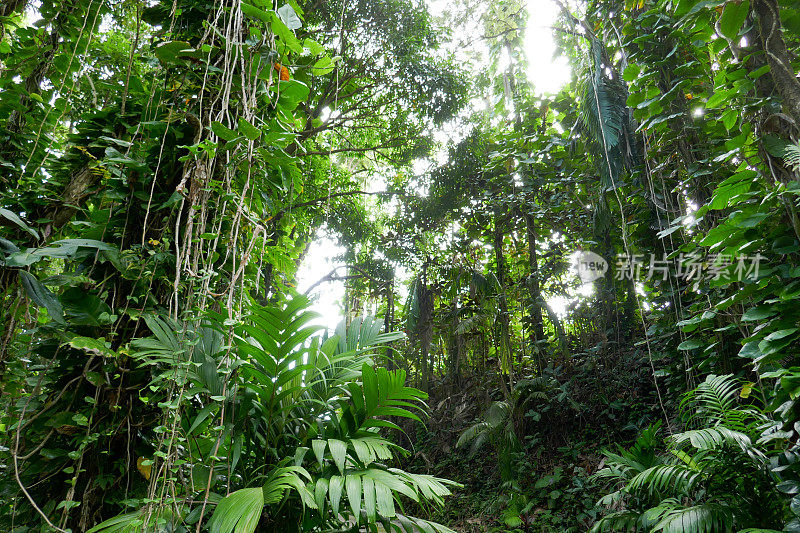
<point x="588" y="303"/>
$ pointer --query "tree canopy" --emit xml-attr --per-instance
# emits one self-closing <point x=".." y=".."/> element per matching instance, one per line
<point x="596" y="289"/>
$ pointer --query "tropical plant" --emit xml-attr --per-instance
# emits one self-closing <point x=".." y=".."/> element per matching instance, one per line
<point x="288" y="426"/>
<point x="500" y="425"/>
<point x="712" y="476"/>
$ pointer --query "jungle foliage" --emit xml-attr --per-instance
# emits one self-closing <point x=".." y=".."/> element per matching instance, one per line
<point x="165" y="168"/>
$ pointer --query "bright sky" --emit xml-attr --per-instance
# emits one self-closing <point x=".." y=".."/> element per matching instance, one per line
<point x="322" y="257"/>
<point x="546" y="74"/>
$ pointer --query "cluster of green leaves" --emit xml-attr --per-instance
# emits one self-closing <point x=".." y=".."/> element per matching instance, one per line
<point x="699" y="82"/>
<point x="162" y="163"/>
<point x="691" y="144"/>
<point x="711" y="477"/>
<point x="287" y="423"/>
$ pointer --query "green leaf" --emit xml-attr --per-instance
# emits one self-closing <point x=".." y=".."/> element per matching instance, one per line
<point x="248" y="130"/>
<point x="313" y="47"/>
<point x="737" y="184"/>
<point x="200" y="418"/>
<point x="42" y="296"/>
<point x="729" y="118"/>
<point x="733" y="17"/>
<point x="368" y="488"/>
<point x="170" y="52"/>
<point x="320" y="490"/>
<point x="775" y="342"/>
<point x="256" y="13"/>
<point x="718" y="98"/>
<point x="631" y="72"/>
<point x="286" y="35"/>
<point x="223" y="132"/>
<point x="13" y="217"/>
<point x="323" y="66"/>
<point x="759" y="313"/>
<point x="292" y="93"/>
<point x="338" y="452"/>
<point x="114" y="156"/>
<point x="750" y="350"/>
<point x="370" y="379"/>
<point x="319" y="449"/>
<point x="22" y="259"/>
<point x="353" y="486"/>
<point x="335" y="492"/>
<point x="289" y="17"/>
<point x="690" y="344"/>
<point x="84" y="308"/>
<point x="119" y="524"/>
<point x="96" y="346"/>
<point x="239" y="511"/>
<point x="775" y="145"/>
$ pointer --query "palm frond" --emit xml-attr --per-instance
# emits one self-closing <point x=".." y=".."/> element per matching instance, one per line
<point x="791" y="156"/>
<point x="407" y="524"/>
<point x="715" y="437"/>
<point x="472" y="322"/>
<point x="704" y="518"/>
<point x="619" y="521"/>
<point x="496" y="424"/>
<point x="373" y="493"/>
<point x="471" y="433"/>
<point x="709" y="402"/>
<point x="124" y="523"/>
<point x="677" y="478"/>
<point x="624" y="465"/>
<point x="605" y="115"/>
<point x="412" y="307"/>
<point x="238" y="512"/>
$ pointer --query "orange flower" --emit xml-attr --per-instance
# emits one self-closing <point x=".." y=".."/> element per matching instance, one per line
<point x="283" y="70"/>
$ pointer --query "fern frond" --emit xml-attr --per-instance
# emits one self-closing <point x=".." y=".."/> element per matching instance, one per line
<point x="791" y="156"/>
<point x="715" y="437"/>
<point x="471" y="433"/>
<point x="709" y="402"/>
<point x="662" y="478"/>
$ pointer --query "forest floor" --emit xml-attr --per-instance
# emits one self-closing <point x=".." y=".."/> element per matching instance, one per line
<point x="562" y="425"/>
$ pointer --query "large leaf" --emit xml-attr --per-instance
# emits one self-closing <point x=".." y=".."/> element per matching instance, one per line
<point x="238" y="512"/>
<point x="733" y="17"/>
<point x="289" y="17"/>
<point x="13" y="217"/>
<point x="42" y="296"/>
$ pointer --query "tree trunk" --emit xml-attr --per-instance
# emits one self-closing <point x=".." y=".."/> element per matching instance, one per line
<point x="777" y="56"/>
<point x="456" y="347"/>
<point x="505" y="323"/>
<point x="534" y="288"/>
<point x="389" y="321"/>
